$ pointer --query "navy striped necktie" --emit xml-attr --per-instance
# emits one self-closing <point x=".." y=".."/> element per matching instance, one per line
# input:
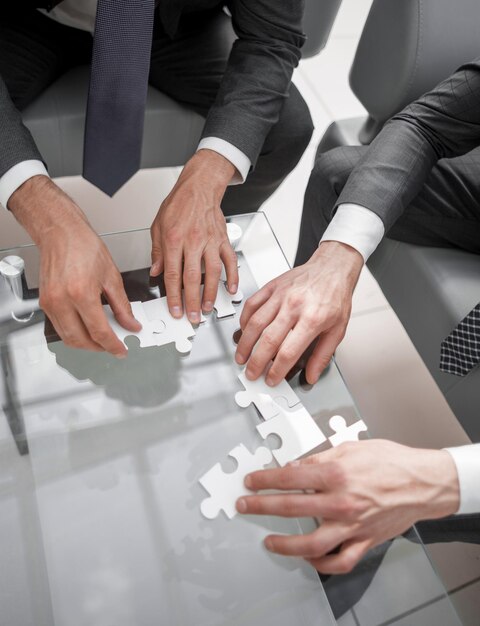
<point x="460" y="351"/>
<point x="122" y="46"/>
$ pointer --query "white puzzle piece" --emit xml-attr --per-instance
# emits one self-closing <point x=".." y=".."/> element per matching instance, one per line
<point x="257" y="392"/>
<point x="297" y="430"/>
<point x="343" y="432"/>
<point x="224" y="301"/>
<point x="159" y="328"/>
<point x="225" y="489"/>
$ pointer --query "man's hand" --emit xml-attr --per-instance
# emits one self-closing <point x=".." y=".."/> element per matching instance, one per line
<point x="190" y="227"/>
<point x="311" y="301"/>
<point x="364" y="493"/>
<point x="75" y="268"/>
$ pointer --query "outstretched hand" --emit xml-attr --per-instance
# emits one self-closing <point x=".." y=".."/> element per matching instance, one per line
<point x="190" y="229"/>
<point x="364" y="493"/>
<point x="311" y="302"/>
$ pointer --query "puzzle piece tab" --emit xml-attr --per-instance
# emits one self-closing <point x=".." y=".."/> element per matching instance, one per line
<point x="257" y="392"/>
<point x="343" y="432"/>
<point x="297" y="430"/>
<point x="225" y="489"/>
<point x="159" y="328"/>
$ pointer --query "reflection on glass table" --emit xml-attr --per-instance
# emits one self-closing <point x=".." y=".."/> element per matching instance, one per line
<point x="99" y="468"/>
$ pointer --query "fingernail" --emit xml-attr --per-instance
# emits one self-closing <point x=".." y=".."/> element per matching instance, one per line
<point x="176" y="311"/>
<point x="268" y="544"/>
<point x="121" y="356"/>
<point x="270" y="382"/>
<point x="294" y="463"/>
<point x="194" y="317"/>
<point x="248" y="482"/>
<point x="241" y="505"/>
<point x="233" y="289"/>
<point x="154" y="269"/>
<point x="208" y="306"/>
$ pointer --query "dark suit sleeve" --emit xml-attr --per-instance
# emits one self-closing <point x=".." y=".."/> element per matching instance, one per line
<point x="259" y="72"/>
<point x="445" y="123"/>
<point x="16" y="142"/>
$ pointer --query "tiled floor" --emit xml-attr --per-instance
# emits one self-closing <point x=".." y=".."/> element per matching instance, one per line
<point x="393" y="390"/>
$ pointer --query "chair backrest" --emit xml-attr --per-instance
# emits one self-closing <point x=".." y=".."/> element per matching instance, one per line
<point x="406" y="48"/>
<point x="319" y="18"/>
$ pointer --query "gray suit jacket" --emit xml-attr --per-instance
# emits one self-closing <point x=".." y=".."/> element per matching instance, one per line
<point x="255" y="85"/>
<point x="444" y="123"/>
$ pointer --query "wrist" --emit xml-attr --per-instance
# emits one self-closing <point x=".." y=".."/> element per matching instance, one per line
<point x="347" y="261"/>
<point x="211" y="168"/>
<point x="441" y="489"/>
<point x="42" y="208"/>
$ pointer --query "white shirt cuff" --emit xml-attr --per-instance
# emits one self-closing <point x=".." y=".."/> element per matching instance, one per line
<point x="357" y="227"/>
<point x="236" y="157"/>
<point x="467" y="460"/>
<point x="17" y="175"/>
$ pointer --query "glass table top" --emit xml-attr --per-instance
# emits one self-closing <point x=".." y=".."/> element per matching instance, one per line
<point x="100" y="519"/>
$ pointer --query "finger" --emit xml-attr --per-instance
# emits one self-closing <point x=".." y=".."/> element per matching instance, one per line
<point x="72" y="331"/>
<point x="288" y="478"/>
<point x="192" y="280"/>
<point x="229" y="259"/>
<point x="291" y="350"/>
<point x="274" y="336"/>
<point x="283" y="505"/>
<point x="314" y="545"/>
<point x="343" y="562"/>
<point x="213" y="271"/>
<point x="172" y="277"/>
<point x="157" y="253"/>
<point x="254" y="328"/>
<point x="100" y="331"/>
<point x="120" y="305"/>
<point x="323" y="353"/>
<point x="254" y="303"/>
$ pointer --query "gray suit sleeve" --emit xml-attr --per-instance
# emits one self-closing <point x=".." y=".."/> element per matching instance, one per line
<point x="259" y="71"/>
<point x="444" y="123"/>
<point x="16" y="142"/>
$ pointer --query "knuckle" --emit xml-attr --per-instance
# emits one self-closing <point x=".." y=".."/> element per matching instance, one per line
<point x="171" y="276"/>
<point x="287" y="355"/>
<point x="99" y="335"/>
<point x="336" y="474"/>
<point x="269" y="339"/>
<point x="295" y="301"/>
<point x="173" y="237"/>
<point x="191" y="274"/>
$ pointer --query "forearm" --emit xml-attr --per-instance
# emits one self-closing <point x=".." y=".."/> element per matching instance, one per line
<point x="442" y="124"/>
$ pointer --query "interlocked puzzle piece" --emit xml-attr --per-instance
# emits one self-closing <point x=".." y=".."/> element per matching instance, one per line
<point x="159" y="328"/>
<point x="225" y="489"/>
<point x="224" y="301"/>
<point x="263" y="396"/>
<point x="297" y="430"/>
<point x="343" y="432"/>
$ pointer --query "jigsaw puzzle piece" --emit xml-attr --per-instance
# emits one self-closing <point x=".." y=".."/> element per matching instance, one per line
<point x="149" y="328"/>
<point x="343" y="432"/>
<point x="225" y="489"/>
<point x="297" y="430"/>
<point x="224" y="301"/>
<point x="172" y="330"/>
<point x="257" y="392"/>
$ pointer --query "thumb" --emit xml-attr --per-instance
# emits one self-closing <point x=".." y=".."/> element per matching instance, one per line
<point x="121" y="307"/>
<point x="157" y="254"/>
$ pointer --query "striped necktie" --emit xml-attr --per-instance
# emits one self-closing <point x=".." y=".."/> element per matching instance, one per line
<point x="118" y="91"/>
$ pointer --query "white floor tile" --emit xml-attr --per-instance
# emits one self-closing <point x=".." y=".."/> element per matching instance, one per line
<point x="327" y="74"/>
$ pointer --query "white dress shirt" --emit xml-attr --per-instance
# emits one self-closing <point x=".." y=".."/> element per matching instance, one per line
<point x="81" y="14"/>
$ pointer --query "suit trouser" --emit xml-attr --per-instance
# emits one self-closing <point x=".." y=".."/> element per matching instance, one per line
<point x="35" y="51"/>
<point x="446" y="212"/>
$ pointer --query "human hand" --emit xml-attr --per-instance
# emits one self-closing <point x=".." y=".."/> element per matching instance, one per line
<point x="75" y="268"/>
<point x="283" y="318"/>
<point x="364" y="492"/>
<point x="190" y="227"/>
